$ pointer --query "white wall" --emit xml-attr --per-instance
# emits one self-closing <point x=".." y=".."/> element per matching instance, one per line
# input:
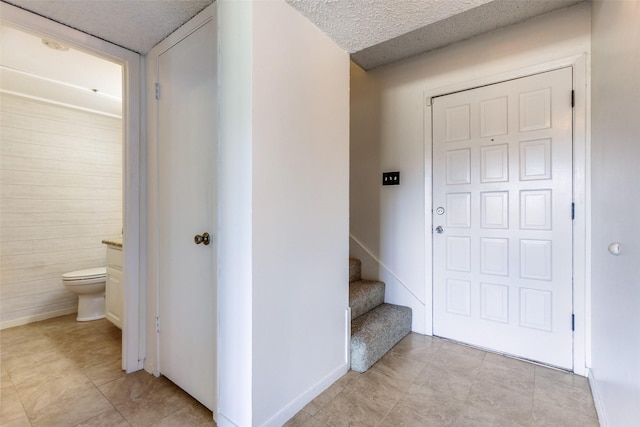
<point x="300" y="209"/>
<point x="387" y="223"/>
<point x="284" y="219"/>
<point x="616" y="209"/>
<point x="61" y="188"/>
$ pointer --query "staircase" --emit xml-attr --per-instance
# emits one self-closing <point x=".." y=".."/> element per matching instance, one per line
<point x="375" y="326"/>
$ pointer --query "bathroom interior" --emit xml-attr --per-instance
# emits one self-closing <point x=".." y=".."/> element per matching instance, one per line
<point x="61" y="183"/>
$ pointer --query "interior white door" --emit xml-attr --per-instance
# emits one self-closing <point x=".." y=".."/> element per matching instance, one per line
<point x="502" y="217"/>
<point x="187" y="207"/>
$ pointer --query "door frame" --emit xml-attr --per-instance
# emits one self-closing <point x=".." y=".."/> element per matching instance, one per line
<point x="133" y="331"/>
<point x="581" y="194"/>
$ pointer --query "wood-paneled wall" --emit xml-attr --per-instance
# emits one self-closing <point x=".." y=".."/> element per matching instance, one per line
<point x="60" y="195"/>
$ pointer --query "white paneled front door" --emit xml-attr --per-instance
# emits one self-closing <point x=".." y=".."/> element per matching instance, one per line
<point x="187" y="308"/>
<point x="502" y="217"/>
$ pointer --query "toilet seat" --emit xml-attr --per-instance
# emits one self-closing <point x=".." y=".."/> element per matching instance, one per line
<point x="87" y="274"/>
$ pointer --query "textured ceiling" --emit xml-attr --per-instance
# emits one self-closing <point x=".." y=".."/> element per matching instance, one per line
<point x="374" y="32"/>
<point x="379" y="32"/>
<point x="137" y="25"/>
<point x="358" y="24"/>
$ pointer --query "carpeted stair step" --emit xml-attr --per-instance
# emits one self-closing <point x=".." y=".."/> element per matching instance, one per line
<point x="376" y="332"/>
<point x="355" y="270"/>
<point x="364" y="296"/>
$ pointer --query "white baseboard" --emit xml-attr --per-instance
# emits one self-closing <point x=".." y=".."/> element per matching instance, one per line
<point x="150" y="368"/>
<point x="286" y="413"/>
<point x="385" y="268"/>
<point x="37" y="317"/>
<point x="396" y="292"/>
<point x="596" y="399"/>
<point x="222" y="421"/>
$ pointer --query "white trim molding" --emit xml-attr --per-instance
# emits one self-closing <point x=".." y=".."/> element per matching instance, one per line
<point x="597" y="400"/>
<point x="285" y="414"/>
<point x="36" y="318"/>
<point x="385" y="267"/>
<point x="397" y="291"/>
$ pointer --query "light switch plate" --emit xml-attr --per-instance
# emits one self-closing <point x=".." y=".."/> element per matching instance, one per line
<point x="390" y="178"/>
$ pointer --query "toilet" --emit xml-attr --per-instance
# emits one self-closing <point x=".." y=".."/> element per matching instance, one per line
<point x="89" y="285"/>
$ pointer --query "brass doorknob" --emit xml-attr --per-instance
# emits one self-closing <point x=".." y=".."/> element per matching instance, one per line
<point x="204" y="238"/>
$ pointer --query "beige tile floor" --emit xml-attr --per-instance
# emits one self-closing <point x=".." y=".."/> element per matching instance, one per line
<point x="60" y="372"/>
<point x="426" y="381"/>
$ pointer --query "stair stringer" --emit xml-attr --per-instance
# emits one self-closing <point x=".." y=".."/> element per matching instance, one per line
<point x="396" y="292"/>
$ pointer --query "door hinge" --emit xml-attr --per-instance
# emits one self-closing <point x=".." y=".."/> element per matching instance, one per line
<point x="157" y="88"/>
<point x="573" y="98"/>
<point x="158" y="325"/>
<point x="573" y="211"/>
<point x="573" y="322"/>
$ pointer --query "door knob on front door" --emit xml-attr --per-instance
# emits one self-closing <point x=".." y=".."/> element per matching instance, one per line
<point x="204" y="238"/>
<point x="439" y="229"/>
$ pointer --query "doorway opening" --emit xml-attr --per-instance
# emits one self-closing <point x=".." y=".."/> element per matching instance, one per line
<point x="97" y="179"/>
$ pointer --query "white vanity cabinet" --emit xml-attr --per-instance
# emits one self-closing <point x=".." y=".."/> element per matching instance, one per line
<point x="114" y="292"/>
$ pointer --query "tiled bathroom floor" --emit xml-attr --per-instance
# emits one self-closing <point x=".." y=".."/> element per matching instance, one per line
<point x="60" y="372"/>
